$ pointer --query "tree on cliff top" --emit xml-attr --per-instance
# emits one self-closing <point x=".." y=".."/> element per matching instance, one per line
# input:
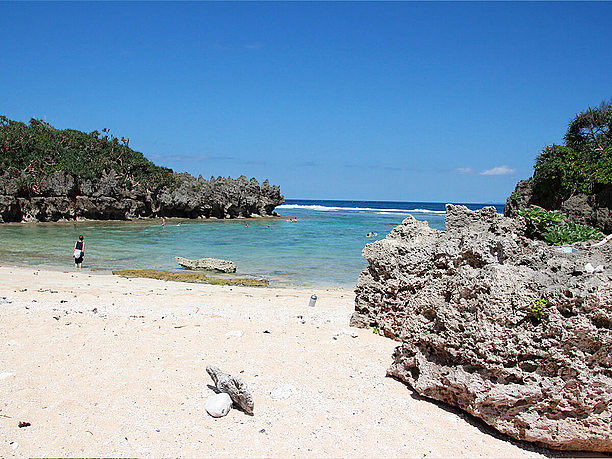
<point x="584" y="163"/>
<point x="30" y="152"/>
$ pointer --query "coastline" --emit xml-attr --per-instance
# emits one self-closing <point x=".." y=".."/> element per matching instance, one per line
<point x="106" y="366"/>
<point x="169" y="220"/>
<point x="323" y="249"/>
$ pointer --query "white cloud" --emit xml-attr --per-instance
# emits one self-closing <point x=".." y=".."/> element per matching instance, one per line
<point x="499" y="170"/>
<point x="464" y="170"/>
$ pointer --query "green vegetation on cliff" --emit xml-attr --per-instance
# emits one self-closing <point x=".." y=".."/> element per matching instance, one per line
<point x="584" y="163"/>
<point x="49" y="174"/>
<point x="37" y="150"/>
<point x="550" y="226"/>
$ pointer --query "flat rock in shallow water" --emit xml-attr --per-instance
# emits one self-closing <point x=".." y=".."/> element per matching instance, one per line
<point x="207" y="264"/>
<point x="504" y="327"/>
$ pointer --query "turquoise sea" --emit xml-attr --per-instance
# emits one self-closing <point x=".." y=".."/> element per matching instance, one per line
<point x="322" y="249"/>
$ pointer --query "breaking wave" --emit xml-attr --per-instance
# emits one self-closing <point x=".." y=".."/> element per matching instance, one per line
<point x="320" y="208"/>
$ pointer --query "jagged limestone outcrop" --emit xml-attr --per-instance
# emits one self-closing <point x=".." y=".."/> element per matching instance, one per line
<point x="62" y="196"/>
<point x="50" y="174"/>
<point x="506" y="328"/>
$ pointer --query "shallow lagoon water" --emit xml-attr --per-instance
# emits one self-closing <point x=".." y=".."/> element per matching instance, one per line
<point x="322" y="249"/>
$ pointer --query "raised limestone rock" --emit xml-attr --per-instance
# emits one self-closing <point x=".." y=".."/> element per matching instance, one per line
<point x="509" y="329"/>
<point x="207" y="264"/>
<point x="62" y="196"/>
<point x="234" y="386"/>
<point x="49" y="174"/>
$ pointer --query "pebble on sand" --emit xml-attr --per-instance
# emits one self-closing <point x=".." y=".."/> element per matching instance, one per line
<point x="282" y="392"/>
<point x="234" y="334"/>
<point x="6" y="374"/>
<point x="218" y="405"/>
<point x="344" y="331"/>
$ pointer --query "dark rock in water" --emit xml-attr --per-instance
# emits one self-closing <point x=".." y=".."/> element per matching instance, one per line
<point x="234" y="386"/>
<point x="62" y="196"/>
<point x="509" y="329"/>
<point x="207" y="264"/>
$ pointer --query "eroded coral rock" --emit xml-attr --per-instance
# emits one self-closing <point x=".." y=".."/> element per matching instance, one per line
<point x="508" y="329"/>
<point x="207" y="264"/>
<point x="62" y="196"/>
<point x="234" y="386"/>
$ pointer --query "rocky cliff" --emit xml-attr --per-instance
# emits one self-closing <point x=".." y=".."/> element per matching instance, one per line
<point x="50" y="174"/>
<point x="64" y="196"/>
<point x="509" y="329"/>
<point x="593" y="209"/>
<point x="576" y="177"/>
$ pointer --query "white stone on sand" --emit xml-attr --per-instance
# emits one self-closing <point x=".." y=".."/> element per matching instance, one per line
<point x="218" y="405"/>
<point x="282" y="392"/>
<point x="344" y="331"/>
<point x="234" y="334"/>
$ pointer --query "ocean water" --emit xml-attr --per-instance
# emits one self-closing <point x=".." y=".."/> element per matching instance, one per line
<point x="322" y="249"/>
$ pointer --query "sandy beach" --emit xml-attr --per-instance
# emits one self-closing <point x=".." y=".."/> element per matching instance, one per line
<point x="106" y="366"/>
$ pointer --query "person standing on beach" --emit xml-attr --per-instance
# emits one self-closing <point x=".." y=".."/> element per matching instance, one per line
<point x="79" y="252"/>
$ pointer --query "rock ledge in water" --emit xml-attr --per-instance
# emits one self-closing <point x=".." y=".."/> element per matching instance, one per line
<point x="207" y="264"/>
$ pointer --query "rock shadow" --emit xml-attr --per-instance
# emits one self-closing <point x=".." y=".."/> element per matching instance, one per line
<point x="488" y="430"/>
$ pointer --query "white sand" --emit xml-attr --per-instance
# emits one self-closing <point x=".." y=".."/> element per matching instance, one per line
<point x="130" y="379"/>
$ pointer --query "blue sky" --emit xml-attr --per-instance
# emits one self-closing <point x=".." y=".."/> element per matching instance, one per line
<point x="383" y="101"/>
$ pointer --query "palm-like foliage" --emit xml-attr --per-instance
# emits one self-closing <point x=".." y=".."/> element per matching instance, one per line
<point x="584" y="163"/>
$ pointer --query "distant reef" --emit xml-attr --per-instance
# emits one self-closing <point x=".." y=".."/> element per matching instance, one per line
<point x="574" y="178"/>
<point x="48" y="174"/>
